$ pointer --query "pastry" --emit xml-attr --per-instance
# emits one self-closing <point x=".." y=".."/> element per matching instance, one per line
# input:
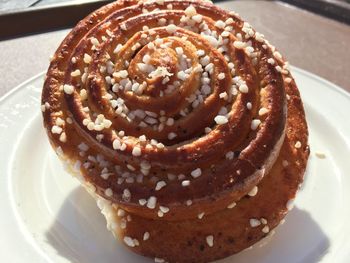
<point x="184" y="124"/>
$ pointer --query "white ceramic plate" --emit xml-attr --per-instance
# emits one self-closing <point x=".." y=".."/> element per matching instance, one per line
<point x="47" y="217"/>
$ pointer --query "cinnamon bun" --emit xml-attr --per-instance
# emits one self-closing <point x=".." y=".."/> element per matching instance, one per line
<point x="182" y="121"/>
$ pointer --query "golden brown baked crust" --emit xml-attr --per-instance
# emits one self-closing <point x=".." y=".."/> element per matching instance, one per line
<point x="185" y="241"/>
<point x="174" y="109"/>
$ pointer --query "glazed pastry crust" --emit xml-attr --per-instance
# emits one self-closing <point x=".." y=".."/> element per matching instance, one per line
<point x="256" y="150"/>
<point x="185" y="241"/>
<point x="171" y="160"/>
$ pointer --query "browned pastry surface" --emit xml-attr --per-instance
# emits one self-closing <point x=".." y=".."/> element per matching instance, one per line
<point x="170" y="109"/>
<point x="186" y="241"/>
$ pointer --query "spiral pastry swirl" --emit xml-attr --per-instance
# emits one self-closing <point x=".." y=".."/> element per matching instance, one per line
<point x="172" y="113"/>
<point x="168" y="102"/>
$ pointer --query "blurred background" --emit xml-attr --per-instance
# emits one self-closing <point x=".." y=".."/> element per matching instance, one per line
<point x="20" y="4"/>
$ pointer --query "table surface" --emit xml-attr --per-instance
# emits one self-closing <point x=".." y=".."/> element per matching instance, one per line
<point x="311" y="42"/>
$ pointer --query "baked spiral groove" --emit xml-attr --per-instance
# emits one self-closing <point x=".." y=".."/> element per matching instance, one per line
<point x="162" y="103"/>
<point x="182" y="121"/>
